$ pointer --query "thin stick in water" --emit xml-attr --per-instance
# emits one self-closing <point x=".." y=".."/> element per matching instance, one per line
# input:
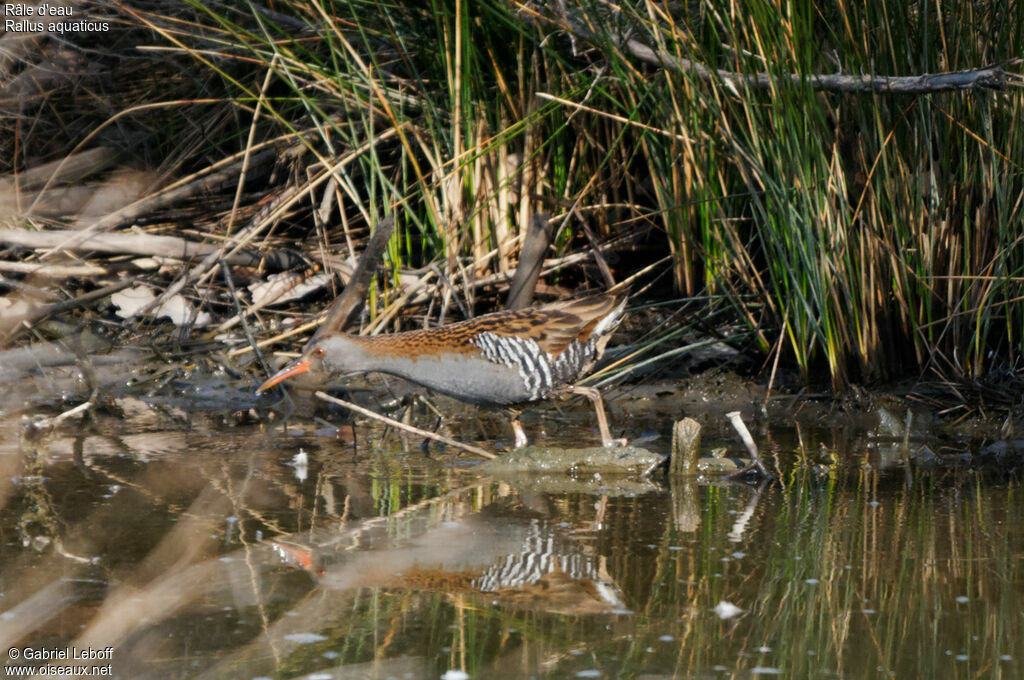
<point x="748" y="441"/>
<point x="402" y="426"/>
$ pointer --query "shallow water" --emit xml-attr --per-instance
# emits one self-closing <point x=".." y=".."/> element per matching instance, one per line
<point x="194" y="549"/>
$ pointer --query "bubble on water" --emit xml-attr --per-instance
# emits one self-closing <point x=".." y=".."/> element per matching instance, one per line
<point x="304" y="638"/>
<point x="727" y="610"/>
<point x="454" y="674"/>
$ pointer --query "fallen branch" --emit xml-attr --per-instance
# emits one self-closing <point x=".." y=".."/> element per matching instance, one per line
<point x="53" y="271"/>
<point x="989" y="77"/>
<point x="66" y="171"/>
<point x="147" y="245"/>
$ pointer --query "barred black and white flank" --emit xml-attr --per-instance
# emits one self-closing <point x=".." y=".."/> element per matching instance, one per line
<point x="541" y="372"/>
<point x="557" y="352"/>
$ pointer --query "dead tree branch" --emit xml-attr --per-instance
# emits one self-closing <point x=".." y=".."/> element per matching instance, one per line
<point x="993" y="77"/>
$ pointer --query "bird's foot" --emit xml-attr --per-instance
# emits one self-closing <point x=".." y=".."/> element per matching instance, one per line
<point x="613" y="443"/>
<point x="520" y="434"/>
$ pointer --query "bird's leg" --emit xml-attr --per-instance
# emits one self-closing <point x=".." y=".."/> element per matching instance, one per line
<point x="594" y="395"/>
<point x="517" y="427"/>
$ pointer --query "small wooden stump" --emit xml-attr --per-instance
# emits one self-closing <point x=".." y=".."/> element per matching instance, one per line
<point x="685" y="447"/>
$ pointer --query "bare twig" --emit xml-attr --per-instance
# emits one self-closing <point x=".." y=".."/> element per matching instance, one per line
<point x="226" y="271"/>
<point x="402" y="426"/>
<point x="53" y="271"/>
<point x="82" y="300"/>
<point x="81" y="408"/>
<point x="748" y="441"/>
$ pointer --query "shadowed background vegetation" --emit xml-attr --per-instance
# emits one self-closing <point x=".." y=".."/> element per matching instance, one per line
<point x="859" y="235"/>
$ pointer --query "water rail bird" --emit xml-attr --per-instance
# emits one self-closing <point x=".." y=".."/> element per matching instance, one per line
<point x="502" y="359"/>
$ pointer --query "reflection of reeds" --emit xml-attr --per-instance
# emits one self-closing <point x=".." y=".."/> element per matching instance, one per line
<point x="844" y="579"/>
<point x="834" y="574"/>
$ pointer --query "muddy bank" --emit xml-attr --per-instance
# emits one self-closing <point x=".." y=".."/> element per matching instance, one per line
<point x="879" y="429"/>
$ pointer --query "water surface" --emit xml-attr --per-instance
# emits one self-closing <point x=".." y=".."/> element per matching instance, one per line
<point x="195" y="549"/>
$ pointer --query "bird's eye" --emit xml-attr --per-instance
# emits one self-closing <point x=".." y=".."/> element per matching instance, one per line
<point x="319" y="351"/>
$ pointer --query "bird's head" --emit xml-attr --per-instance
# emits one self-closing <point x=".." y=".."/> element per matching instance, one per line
<point x="311" y="360"/>
<point x="326" y="355"/>
<point x="300" y="364"/>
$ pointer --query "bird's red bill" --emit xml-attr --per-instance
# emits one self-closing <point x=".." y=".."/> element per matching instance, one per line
<point x="288" y="371"/>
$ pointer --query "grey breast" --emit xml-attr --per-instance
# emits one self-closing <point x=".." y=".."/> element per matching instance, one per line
<point x="469" y="378"/>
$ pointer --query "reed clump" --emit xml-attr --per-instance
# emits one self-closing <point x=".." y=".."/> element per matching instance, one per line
<point x="789" y="162"/>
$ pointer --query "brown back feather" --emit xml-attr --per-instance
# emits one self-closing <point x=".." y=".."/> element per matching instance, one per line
<point x="553" y="326"/>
